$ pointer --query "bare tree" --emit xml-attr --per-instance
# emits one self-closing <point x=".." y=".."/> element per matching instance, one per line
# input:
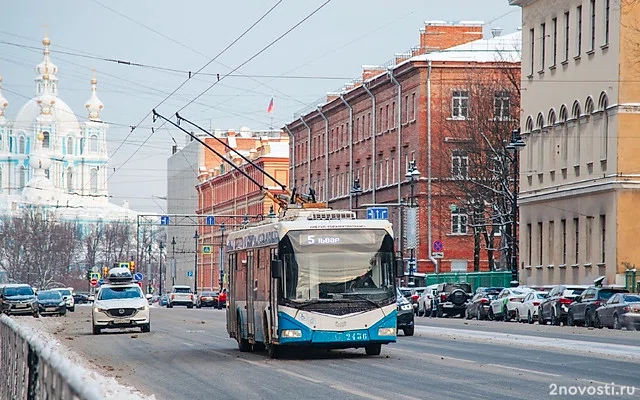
<point x="481" y="167"/>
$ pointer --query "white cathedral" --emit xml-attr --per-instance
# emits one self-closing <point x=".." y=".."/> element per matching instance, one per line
<point x="50" y="160"/>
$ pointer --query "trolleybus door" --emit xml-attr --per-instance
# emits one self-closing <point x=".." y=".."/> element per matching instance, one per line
<point x="250" y="294"/>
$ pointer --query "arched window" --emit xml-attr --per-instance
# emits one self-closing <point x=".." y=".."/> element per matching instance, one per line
<point x="22" y="176"/>
<point x="575" y="110"/>
<point x="563" y="114"/>
<point x="540" y="121"/>
<point x="93" y="184"/>
<point x="93" y="144"/>
<point x="588" y="106"/>
<point x="603" y="103"/>
<point x="552" y="117"/>
<point x="69" y="145"/>
<point x="46" y="139"/>
<point x="529" y="124"/>
<point x="70" y="179"/>
<point x="21" y="145"/>
<point x="565" y="135"/>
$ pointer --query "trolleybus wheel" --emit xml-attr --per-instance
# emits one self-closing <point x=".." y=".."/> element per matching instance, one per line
<point x="373" y="349"/>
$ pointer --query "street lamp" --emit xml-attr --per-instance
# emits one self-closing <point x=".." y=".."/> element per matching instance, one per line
<point x="514" y="147"/>
<point x="222" y="229"/>
<point x="195" y="283"/>
<point x="161" y="249"/>
<point x="149" y="269"/>
<point x="413" y="175"/>
<point x="356" y="191"/>
<point x="173" y="257"/>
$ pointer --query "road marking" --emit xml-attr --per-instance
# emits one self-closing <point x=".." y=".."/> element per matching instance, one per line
<point x="356" y="392"/>
<point x="598" y="382"/>
<point x="442" y="358"/>
<point x="530" y="371"/>
<point x="188" y="344"/>
<point x="306" y="378"/>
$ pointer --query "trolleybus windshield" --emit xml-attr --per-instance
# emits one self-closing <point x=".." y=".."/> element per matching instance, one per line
<point x="338" y="264"/>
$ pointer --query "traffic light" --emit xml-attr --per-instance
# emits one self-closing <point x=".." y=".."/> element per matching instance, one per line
<point x="88" y="275"/>
<point x="132" y="266"/>
<point x="105" y="272"/>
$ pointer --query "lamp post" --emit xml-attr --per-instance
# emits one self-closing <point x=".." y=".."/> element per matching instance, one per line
<point x="356" y="191"/>
<point x="161" y="249"/>
<point x="514" y="147"/>
<point x="245" y="220"/>
<point x="195" y="272"/>
<point x="173" y="261"/>
<point x="412" y="175"/>
<point x="222" y="229"/>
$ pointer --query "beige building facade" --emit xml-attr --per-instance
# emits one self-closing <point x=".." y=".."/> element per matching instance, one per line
<point x="579" y="171"/>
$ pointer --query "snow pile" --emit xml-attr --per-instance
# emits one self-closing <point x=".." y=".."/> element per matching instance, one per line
<point x="90" y="384"/>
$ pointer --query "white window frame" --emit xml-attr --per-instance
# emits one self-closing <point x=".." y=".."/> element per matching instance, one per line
<point x="500" y="98"/>
<point x="459" y="221"/>
<point x="461" y="170"/>
<point x="460" y="104"/>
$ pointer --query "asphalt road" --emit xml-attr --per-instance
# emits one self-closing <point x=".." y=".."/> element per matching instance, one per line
<point x="188" y="355"/>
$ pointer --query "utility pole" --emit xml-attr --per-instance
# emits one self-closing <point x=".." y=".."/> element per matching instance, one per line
<point x="195" y="272"/>
<point x="173" y="261"/>
<point x="161" y="250"/>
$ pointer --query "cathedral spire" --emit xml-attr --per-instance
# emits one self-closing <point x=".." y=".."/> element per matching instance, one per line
<point x="94" y="105"/>
<point x="3" y="102"/>
<point x="46" y="70"/>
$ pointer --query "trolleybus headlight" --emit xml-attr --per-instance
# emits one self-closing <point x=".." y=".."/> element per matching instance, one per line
<point x="405" y="307"/>
<point x="386" y="331"/>
<point x="291" y="333"/>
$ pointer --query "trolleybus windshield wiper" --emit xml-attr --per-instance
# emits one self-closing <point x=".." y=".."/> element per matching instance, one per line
<point x="360" y="297"/>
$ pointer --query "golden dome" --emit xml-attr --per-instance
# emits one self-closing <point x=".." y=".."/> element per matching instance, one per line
<point x="46" y="41"/>
<point x="94" y="81"/>
<point x="45" y="77"/>
<point x="41" y="136"/>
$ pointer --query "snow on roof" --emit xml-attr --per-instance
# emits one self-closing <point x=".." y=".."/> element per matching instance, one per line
<point x="505" y="48"/>
<point x="278" y="149"/>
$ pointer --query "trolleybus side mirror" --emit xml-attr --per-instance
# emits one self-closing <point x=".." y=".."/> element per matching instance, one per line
<point x="399" y="267"/>
<point x="276" y="269"/>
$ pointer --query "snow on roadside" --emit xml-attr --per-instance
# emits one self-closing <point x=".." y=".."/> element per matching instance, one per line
<point x="74" y="366"/>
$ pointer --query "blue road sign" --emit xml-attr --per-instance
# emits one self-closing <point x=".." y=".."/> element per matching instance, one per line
<point x="211" y="220"/>
<point x="438" y="245"/>
<point x="189" y="274"/>
<point x="138" y="276"/>
<point x="164" y="220"/>
<point x="377" y="213"/>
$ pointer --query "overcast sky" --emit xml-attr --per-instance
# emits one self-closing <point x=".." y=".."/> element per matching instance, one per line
<point x="328" y="49"/>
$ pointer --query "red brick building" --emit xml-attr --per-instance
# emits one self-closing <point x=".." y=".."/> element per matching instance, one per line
<point x="372" y="129"/>
<point x="227" y="194"/>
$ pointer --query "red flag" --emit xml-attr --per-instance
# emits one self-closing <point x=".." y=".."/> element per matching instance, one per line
<point x="270" y="108"/>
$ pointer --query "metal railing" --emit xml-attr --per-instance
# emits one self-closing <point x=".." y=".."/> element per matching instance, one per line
<point x="30" y="369"/>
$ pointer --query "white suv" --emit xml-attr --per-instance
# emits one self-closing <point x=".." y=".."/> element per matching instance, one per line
<point x="181" y="295"/>
<point x="67" y="296"/>
<point x="120" y="304"/>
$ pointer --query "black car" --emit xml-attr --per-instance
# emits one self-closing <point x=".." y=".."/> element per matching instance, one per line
<point x="207" y="299"/>
<point x="80" y="298"/>
<point x="50" y="302"/>
<point x="18" y="299"/>
<point x="555" y="307"/>
<point x="479" y="305"/>
<point x="452" y="298"/>
<point x="583" y="310"/>
<point x="405" y="315"/>
<point x="622" y="309"/>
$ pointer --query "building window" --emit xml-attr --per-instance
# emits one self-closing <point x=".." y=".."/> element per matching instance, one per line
<point x="576" y="239"/>
<point x="543" y="45"/>
<point x="46" y="138"/>
<point x="1" y="187"/>
<point x="539" y="243"/>
<point x="22" y="177"/>
<point x="459" y="165"/>
<point x="459" y="221"/>
<point x="22" y="145"/>
<point x="604" y="146"/>
<point x="592" y="6"/>
<point x="532" y="48"/>
<point x="502" y="105"/>
<point x="69" y="145"/>
<point x="1" y="142"/>
<point x="386" y="164"/>
<point x="566" y="36"/>
<point x="413" y="106"/>
<point x="550" y="241"/>
<point x="529" y="245"/>
<point x="69" y="180"/>
<point x="588" y="239"/>
<point x="579" y="32"/>
<point x="386" y="118"/>
<point x="93" y="144"/>
<point x="554" y="26"/>
<point x="603" y="238"/>
<point x="563" y="227"/>
<point x="460" y="104"/>
<point x="606" y="21"/>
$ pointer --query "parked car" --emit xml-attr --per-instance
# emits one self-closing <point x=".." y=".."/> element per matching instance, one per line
<point x="207" y="299"/>
<point x="622" y="309"/>
<point x="80" y="298"/>
<point x="583" y="310"/>
<point x="50" y="302"/>
<point x="555" y="307"/>
<point x="406" y="316"/>
<point x="504" y="306"/>
<point x="452" y="298"/>
<point x="528" y="309"/>
<point x="181" y="295"/>
<point x="163" y="300"/>
<point x="18" y="299"/>
<point x="426" y="301"/>
<point x="479" y="305"/>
